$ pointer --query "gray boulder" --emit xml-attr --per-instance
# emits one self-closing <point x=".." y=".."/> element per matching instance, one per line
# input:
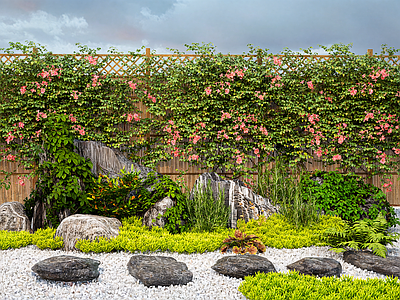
<point x="108" y="161"/>
<point x="13" y="217"/>
<point x="154" y="216"/>
<point x="67" y="268"/>
<point x="317" y="266"/>
<point x="86" y="227"/>
<point x="159" y="270"/>
<point x="243" y="202"/>
<point x="366" y="260"/>
<point x="240" y="266"/>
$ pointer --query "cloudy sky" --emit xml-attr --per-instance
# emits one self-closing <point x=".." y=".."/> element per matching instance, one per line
<point x="229" y="24"/>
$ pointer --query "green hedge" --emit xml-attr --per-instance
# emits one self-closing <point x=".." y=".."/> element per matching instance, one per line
<point x="279" y="286"/>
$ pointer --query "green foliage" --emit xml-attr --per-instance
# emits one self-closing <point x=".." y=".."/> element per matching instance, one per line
<point x="284" y="187"/>
<point x="304" y="287"/>
<point x="363" y="234"/>
<point x="341" y="195"/>
<point x="243" y="243"/>
<point x="109" y="196"/>
<point x="342" y="109"/>
<point x="206" y="213"/>
<point x="63" y="174"/>
<point x="42" y="238"/>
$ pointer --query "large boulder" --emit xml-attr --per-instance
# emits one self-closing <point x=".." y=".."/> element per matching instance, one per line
<point x="155" y="215"/>
<point x="159" y="270"/>
<point x="366" y="260"/>
<point x="317" y="266"/>
<point x="108" y="161"/>
<point x="67" y="268"/>
<point x="13" y="217"/>
<point x="239" y="266"/>
<point x="86" y="227"/>
<point x="243" y="202"/>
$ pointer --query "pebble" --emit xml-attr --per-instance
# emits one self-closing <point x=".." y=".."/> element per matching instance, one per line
<point x="17" y="281"/>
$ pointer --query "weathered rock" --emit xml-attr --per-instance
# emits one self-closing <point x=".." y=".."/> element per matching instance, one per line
<point x="154" y="216"/>
<point x="108" y="161"/>
<point x="159" y="270"/>
<point x="240" y="266"/>
<point x="13" y="217"/>
<point x="67" y="268"/>
<point x="317" y="266"/>
<point x="86" y="227"/>
<point x="243" y="203"/>
<point x="366" y="260"/>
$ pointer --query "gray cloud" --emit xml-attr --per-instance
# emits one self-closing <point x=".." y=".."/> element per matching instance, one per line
<point x="228" y="24"/>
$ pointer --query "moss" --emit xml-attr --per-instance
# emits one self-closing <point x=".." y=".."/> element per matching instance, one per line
<point x="303" y="287"/>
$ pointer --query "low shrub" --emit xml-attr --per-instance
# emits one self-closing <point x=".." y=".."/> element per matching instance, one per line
<point x="343" y="194"/>
<point x="304" y="287"/>
<point x="42" y="238"/>
<point x="363" y="234"/>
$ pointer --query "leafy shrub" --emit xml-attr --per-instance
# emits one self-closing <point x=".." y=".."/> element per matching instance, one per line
<point x="343" y="194"/>
<point x="242" y="243"/>
<point x="109" y="196"/>
<point x="206" y="213"/>
<point x="363" y="234"/>
<point x="42" y="238"/>
<point x="304" y="287"/>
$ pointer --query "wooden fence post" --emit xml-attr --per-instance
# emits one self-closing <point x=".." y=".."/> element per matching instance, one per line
<point x="147" y="115"/>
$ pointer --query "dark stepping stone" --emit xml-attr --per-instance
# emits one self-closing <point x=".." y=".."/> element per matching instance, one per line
<point x="67" y="268"/>
<point x="159" y="270"/>
<point x="317" y="266"/>
<point x="366" y="260"/>
<point x="240" y="266"/>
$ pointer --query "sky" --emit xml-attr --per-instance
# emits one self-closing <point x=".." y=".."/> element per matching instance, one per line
<point x="230" y="25"/>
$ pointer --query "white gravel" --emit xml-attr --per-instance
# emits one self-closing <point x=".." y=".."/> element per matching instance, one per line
<point x="17" y="281"/>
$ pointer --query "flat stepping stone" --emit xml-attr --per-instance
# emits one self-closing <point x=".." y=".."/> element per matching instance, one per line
<point x="239" y="266"/>
<point x="159" y="270"/>
<point x="67" y="268"/>
<point x="366" y="260"/>
<point x="317" y="266"/>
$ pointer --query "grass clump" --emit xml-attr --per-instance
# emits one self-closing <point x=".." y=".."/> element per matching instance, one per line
<point x="206" y="213"/>
<point x="304" y="287"/>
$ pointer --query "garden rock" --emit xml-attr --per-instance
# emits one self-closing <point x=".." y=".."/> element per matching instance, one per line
<point x="67" y="268"/>
<point x="243" y="203"/>
<point x="13" y="217"/>
<point x="159" y="270"/>
<point x="108" y="161"/>
<point x="317" y="266"/>
<point x="240" y="266"/>
<point x="155" y="215"/>
<point x="366" y="260"/>
<point x="86" y="227"/>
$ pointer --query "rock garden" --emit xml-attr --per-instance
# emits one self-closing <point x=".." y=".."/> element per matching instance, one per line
<point x="101" y="223"/>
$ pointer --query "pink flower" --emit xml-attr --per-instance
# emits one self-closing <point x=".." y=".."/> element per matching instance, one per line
<point x="92" y="61"/>
<point x="310" y="85"/>
<point x="238" y="138"/>
<point x="202" y="125"/>
<point x="42" y="90"/>
<point x="226" y="136"/>
<point x="341" y="139"/>
<point x="370" y="91"/>
<point x="226" y="91"/>
<point x="132" y="85"/>
<point x="336" y="157"/>
<point x="353" y="91"/>
<point x="256" y="150"/>
<point x="23" y="89"/>
<point x="196" y="139"/>
<point x="208" y="90"/>
<point x="277" y="61"/>
<point x="21" y="182"/>
<point x="383" y="160"/>
<point x="82" y="132"/>
<point x="319" y="152"/>
<point x="11" y="157"/>
<point x="239" y="160"/>
<point x="21" y="125"/>
<point x="171" y="122"/>
<point x="173" y="142"/>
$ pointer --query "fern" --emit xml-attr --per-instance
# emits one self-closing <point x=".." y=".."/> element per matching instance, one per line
<point x="363" y="234"/>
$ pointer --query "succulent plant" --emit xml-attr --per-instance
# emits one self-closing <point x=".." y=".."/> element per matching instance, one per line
<point x="242" y="243"/>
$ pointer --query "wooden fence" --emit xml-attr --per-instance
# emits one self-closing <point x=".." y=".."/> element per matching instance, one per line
<point x="120" y="65"/>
